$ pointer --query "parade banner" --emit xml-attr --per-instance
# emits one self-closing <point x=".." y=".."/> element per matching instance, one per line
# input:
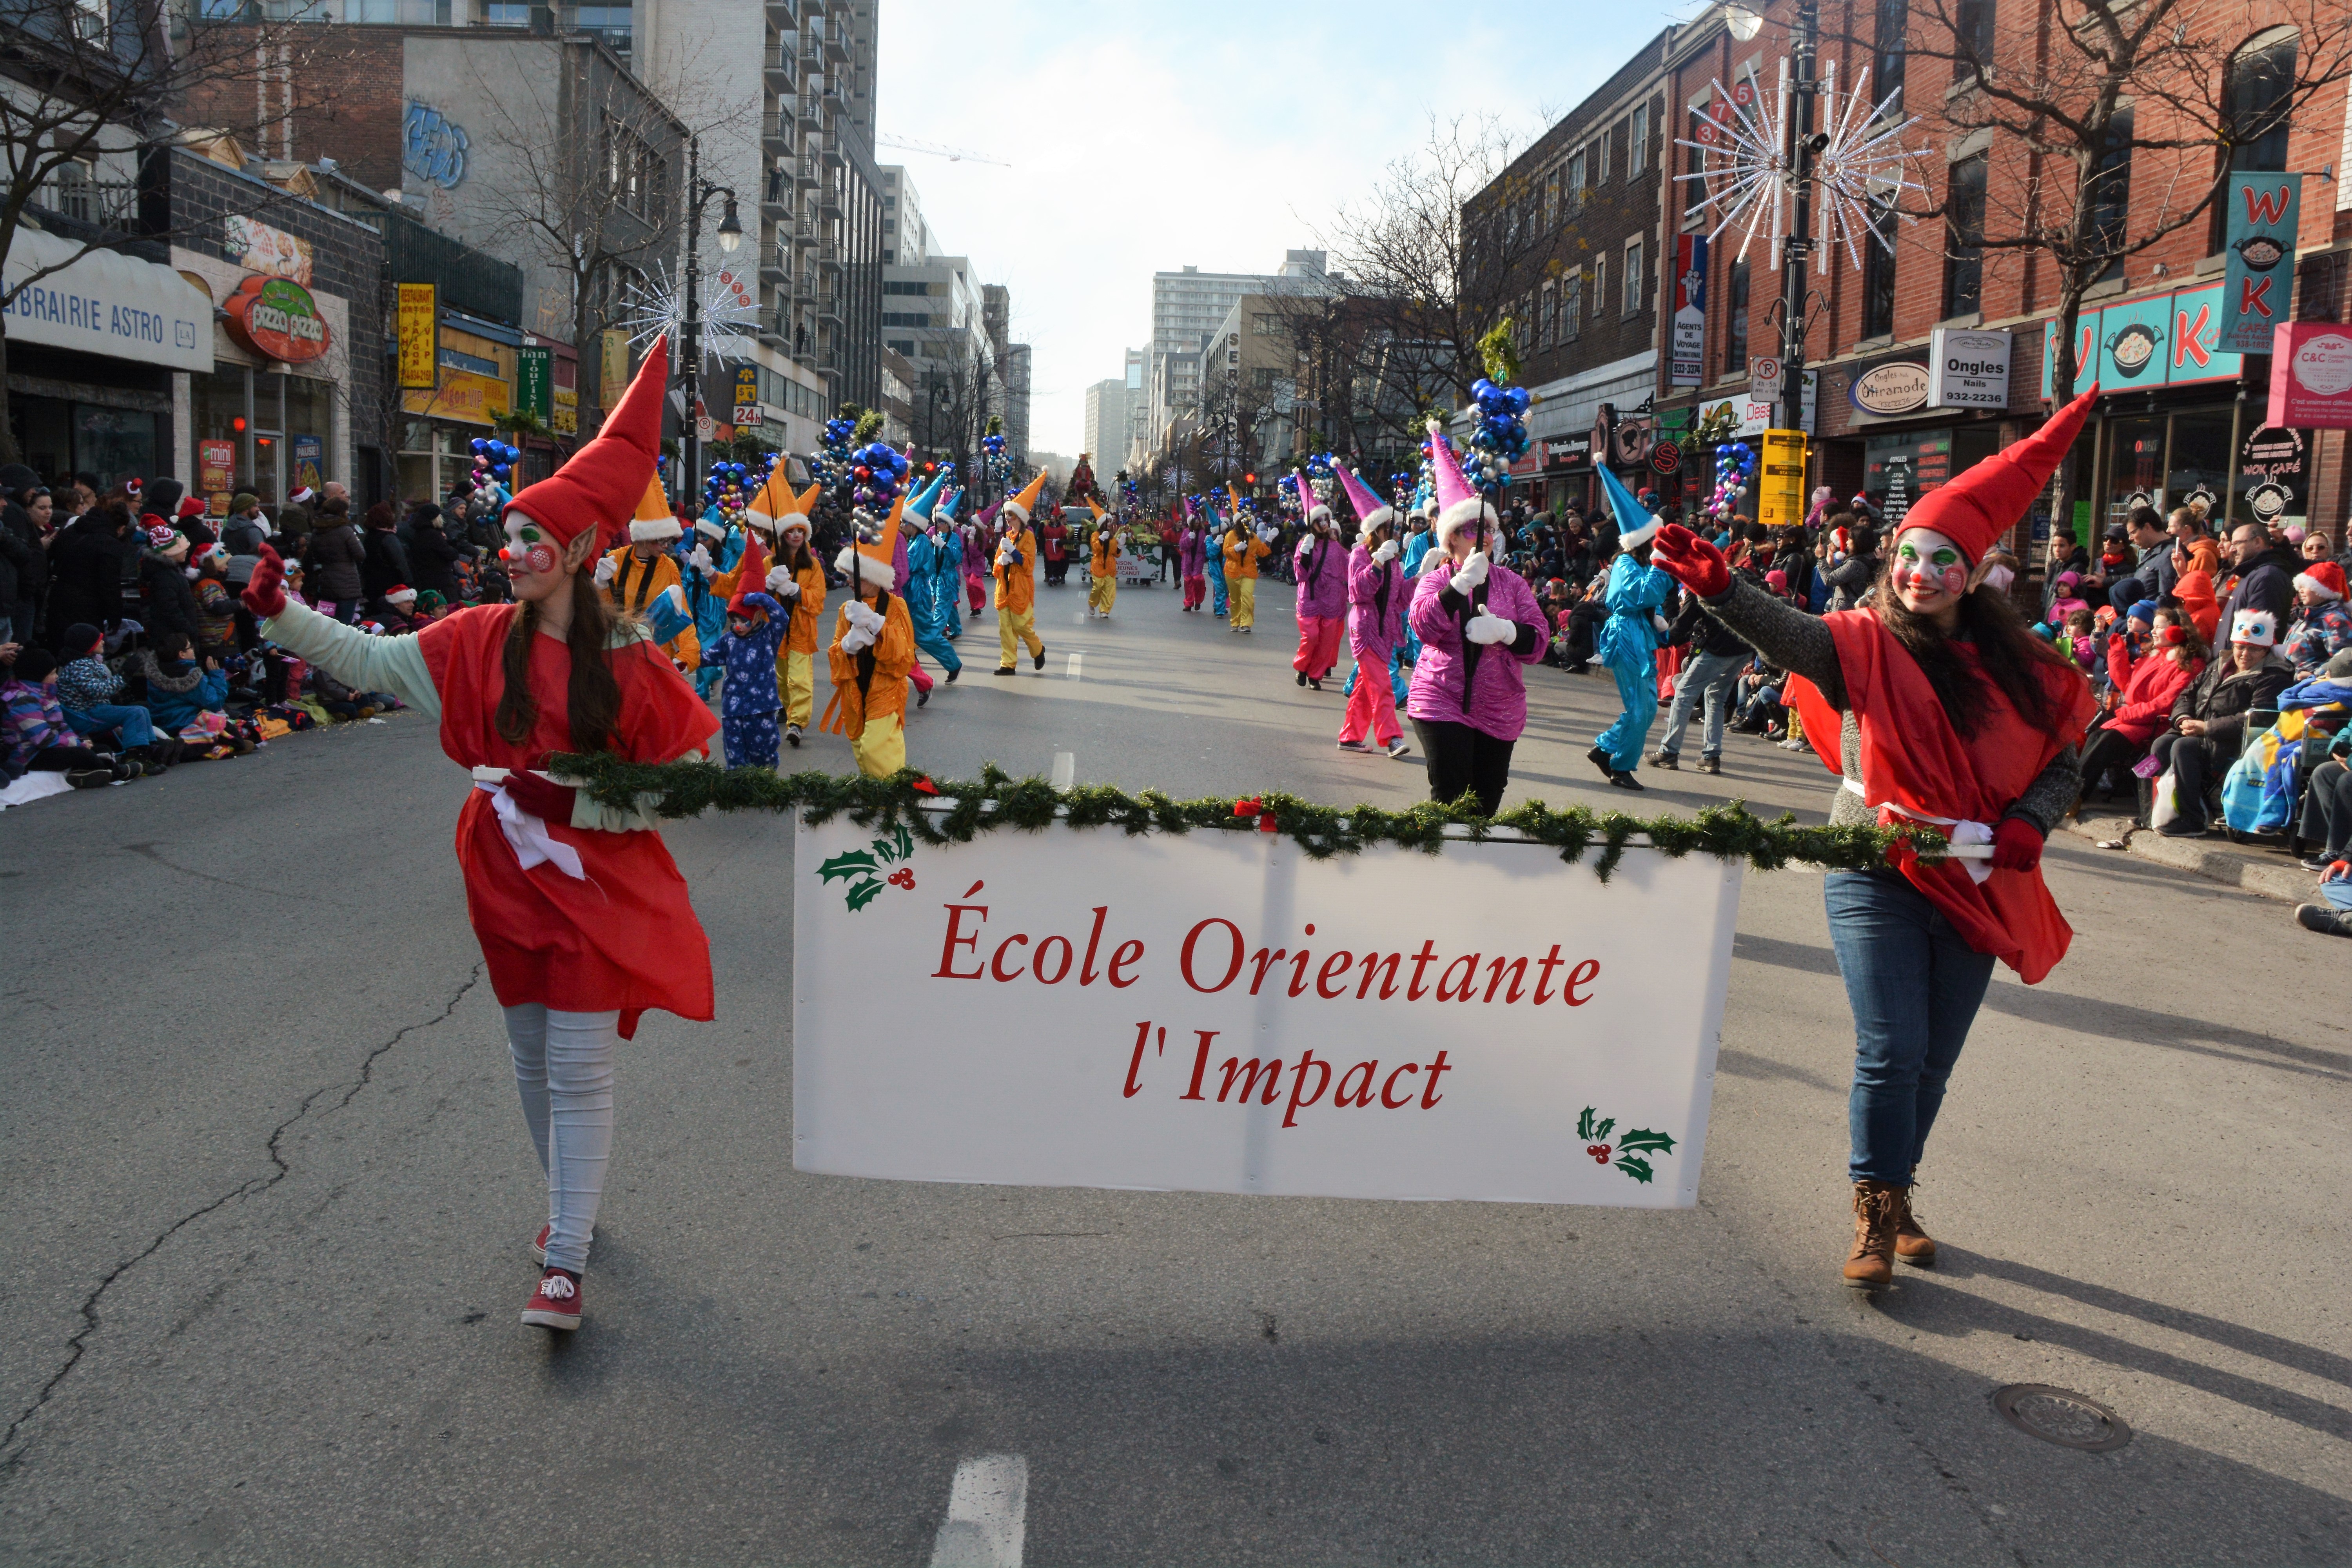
<point x="1221" y="1012"/>
<point x="1689" y="340"/>
<point x="2263" y="212"/>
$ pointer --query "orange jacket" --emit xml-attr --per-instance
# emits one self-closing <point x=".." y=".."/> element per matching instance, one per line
<point x="1106" y="556"/>
<point x="1243" y="550"/>
<point x="801" y="635"/>
<point x="885" y="692"/>
<point x="1016" y="583"/>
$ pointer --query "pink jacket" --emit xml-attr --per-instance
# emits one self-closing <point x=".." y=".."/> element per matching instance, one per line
<point x="1191" y="551"/>
<point x="1376" y="596"/>
<point x="1323" y="579"/>
<point x="1495" y="702"/>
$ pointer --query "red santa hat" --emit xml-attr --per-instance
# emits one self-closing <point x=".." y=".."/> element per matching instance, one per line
<point x="400" y="593"/>
<point x="752" y="578"/>
<point x="1987" y="499"/>
<point x="602" y="482"/>
<point x="2324" y="578"/>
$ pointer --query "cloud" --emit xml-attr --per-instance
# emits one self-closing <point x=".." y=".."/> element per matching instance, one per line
<point x="1145" y="139"/>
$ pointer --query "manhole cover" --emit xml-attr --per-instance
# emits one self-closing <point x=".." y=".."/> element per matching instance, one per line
<point x="2057" y="1415"/>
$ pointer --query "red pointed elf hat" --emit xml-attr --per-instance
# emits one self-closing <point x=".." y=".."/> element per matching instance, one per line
<point x="604" y="482"/>
<point x="752" y="576"/>
<point x="1987" y="499"/>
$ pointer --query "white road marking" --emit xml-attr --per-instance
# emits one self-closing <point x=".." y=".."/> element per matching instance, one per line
<point x="988" y="1510"/>
<point x="1077" y="660"/>
<point x="1066" y="769"/>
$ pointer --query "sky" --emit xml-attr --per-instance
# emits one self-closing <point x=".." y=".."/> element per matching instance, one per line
<point x="1146" y="138"/>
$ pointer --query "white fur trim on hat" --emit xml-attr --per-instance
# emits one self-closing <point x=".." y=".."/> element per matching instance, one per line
<point x="647" y="530"/>
<point x="716" y="529"/>
<point x="1382" y="514"/>
<point x="2304" y="583"/>
<point x="1463" y="514"/>
<point x="1016" y="509"/>
<point x="881" y="574"/>
<point x="1639" y="536"/>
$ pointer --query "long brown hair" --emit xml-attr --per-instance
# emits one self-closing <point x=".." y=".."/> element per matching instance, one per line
<point x="2007" y="655"/>
<point x="592" y="698"/>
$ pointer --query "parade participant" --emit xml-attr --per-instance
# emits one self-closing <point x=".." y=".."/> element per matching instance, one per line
<point x="1244" y="548"/>
<point x="1213" y="548"/>
<point x="1055" y="541"/>
<point x="1479" y="625"/>
<point x="1376" y="606"/>
<point x="1323" y="572"/>
<point x="978" y="545"/>
<point x="935" y="574"/>
<point x="1629" y="640"/>
<point x="1102" y="565"/>
<point x="718" y="548"/>
<point x="1938" y="707"/>
<point x="873" y="648"/>
<point x="633" y="574"/>
<point x="775" y="512"/>
<point x="1191" y="551"/>
<point x="756" y="626"/>
<point x="583" y="917"/>
<point x="1015" y="571"/>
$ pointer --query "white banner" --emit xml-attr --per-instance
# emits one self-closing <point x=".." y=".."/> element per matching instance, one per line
<point x="1217" y="1011"/>
<point x="105" y="303"/>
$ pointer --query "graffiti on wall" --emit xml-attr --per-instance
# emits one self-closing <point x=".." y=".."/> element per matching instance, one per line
<point x="432" y="146"/>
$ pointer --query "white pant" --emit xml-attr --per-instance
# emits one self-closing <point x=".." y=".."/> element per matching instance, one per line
<point x="564" y="1067"/>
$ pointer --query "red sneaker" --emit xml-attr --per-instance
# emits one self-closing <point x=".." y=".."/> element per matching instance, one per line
<point x="556" y="1303"/>
<point x="538" y="1244"/>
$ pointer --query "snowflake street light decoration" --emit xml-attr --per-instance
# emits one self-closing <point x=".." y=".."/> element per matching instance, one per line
<point x="730" y="317"/>
<point x="1857" y="163"/>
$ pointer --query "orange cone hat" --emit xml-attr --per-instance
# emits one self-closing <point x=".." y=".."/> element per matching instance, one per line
<point x="653" y="520"/>
<point x="1985" y="501"/>
<point x="1021" y="505"/>
<point x="604" y="482"/>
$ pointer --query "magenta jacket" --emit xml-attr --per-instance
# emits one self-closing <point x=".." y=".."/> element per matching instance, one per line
<point x="1376" y="596"/>
<point x="1497" y="700"/>
<point x="1191" y="551"/>
<point x="1323" y="580"/>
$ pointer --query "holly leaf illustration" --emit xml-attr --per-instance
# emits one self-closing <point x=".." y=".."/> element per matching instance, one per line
<point x="1642" y="1138"/>
<point x="1634" y="1166"/>
<point x="848" y="863"/>
<point x="905" y="842"/>
<point x="1601" y="1129"/>
<point x="1584" y="1124"/>
<point x="865" y="893"/>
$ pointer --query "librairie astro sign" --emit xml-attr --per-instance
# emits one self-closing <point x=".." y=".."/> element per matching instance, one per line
<point x="1217" y="1011"/>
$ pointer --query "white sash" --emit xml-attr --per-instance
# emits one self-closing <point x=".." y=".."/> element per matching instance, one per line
<point x="527" y="835"/>
<point x="1971" y="841"/>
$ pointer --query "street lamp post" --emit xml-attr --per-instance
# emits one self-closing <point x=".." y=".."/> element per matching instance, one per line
<point x="1797" y="246"/>
<point x="730" y="237"/>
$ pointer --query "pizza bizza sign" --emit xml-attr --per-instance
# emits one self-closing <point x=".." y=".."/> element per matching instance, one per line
<point x="1219" y="1012"/>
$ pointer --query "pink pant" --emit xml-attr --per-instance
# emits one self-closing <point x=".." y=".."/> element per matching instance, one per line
<point x="1371" y="707"/>
<point x="921" y="678"/>
<point x="976" y="586"/>
<point x="1195" y="590"/>
<point x="1318" y="645"/>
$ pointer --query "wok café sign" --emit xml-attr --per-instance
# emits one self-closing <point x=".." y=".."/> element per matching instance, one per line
<point x="1220" y="1013"/>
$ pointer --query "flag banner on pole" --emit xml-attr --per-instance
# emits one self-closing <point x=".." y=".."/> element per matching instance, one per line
<point x="2259" y="254"/>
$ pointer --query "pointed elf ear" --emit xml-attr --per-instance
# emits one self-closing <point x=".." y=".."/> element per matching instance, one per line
<point x="582" y="545"/>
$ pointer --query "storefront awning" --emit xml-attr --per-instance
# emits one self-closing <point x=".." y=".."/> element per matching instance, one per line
<point x="105" y="303"/>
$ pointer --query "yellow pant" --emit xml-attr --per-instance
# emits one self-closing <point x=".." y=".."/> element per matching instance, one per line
<point x="796" y="674"/>
<point x="1014" y="627"/>
<point x="1102" y="593"/>
<point x="1241" y="592"/>
<point x="881" y="749"/>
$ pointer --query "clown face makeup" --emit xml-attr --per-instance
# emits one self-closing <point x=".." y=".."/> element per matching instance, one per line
<point x="1929" y="571"/>
<point x="534" y="557"/>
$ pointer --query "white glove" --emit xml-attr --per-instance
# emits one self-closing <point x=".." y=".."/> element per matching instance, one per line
<point x="1004" y="551"/>
<point x="783" y="584"/>
<point x="604" y="571"/>
<point x="1659" y="621"/>
<point x="857" y="640"/>
<point x="1492" y="629"/>
<point x="1269" y="534"/>
<point x="866" y="618"/>
<point x="1385" y="553"/>
<point x="1473" y="573"/>
<point x="1305" y="544"/>
<point x="701" y="559"/>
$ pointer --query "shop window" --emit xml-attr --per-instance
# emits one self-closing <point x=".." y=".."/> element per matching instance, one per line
<point x="219" y="414"/>
<point x="1972" y="27"/>
<point x="2197" y="462"/>
<point x="2257" y="109"/>
<point x="1878" y="275"/>
<point x="1735" y="321"/>
<point x="2110" y="207"/>
<point x="1964" y="217"/>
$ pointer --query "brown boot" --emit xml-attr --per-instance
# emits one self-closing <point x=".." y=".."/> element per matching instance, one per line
<point x="1911" y="1245"/>
<point x="1872" y="1262"/>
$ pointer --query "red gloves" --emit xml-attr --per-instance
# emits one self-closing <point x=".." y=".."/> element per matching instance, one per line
<point x="1691" y="560"/>
<point x="544" y="799"/>
<point x="2016" y="845"/>
<point x="265" y="596"/>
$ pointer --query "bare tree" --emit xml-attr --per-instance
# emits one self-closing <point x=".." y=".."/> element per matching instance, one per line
<point x="85" y="90"/>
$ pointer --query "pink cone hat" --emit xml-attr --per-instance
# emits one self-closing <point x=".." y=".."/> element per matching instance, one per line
<point x="1458" y="506"/>
<point x="1371" y="511"/>
<point x="1308" y="502"/>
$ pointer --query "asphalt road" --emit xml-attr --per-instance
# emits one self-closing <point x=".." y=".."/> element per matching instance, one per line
<point x="267" y="1192"/>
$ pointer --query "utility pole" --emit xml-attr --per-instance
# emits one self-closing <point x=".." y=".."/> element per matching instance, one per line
<point x="730" y="236"/>
<point x="1797" y="245"/>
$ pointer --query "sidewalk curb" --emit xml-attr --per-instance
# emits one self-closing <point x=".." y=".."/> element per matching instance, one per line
<point x="2288" y="883"/>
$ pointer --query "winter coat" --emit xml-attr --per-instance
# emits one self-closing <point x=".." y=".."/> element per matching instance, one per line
<point x="86" y="576"/>
<point x="2320" y="633"/>
<point x="2194" y="589"/>
<point x="35" y="722"/>
<point x="84" y="683"/>
<point x="1451" y="667"/>
<point x="1849" y="579"/>
<point x="1323" y="574"/>
<point x="1016" y="580"/>
<point x="2222" y="697"/>
<point x="1192" y="545"/>
<point x="2148" y="688"/>
<point x="2266" y="583"/>
<point x="336" y="554"/>
<point x="1243" y="550"/>
<point x="173" y="701"/>
<point x="216" y="607"/>
<point x="434" y="558"/>
<point x="16" y="565"/>
<point x="384" y="564"/>
<point x="1376" y="607"/>
<point x="32" y="568"/>
<point x="170" y="602"/>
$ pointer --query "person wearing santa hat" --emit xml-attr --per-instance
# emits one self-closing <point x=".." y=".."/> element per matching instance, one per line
<point x="1480" y="627"/>
<point x="1630" y="637"/>
<point x="756" y="625"/>
<point x="1376" y="603"/>
<point x="1940" y="711"/>
<point x="1323" y="568"/>
<point x="1015" y="567"/>
<point x="633" y="574"/>
<point x="2322" y="625"/>
<point x="583" y="918"/>
<point x="873" y="648"/>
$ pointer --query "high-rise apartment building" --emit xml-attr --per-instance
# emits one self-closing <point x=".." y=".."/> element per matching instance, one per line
<point x="1186" y="308"/>
<point x="1107" y="425"/>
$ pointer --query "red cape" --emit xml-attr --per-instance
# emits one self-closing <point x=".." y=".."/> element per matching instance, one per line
<point x="1913" y="758"/>
<point x="626" y="939"/>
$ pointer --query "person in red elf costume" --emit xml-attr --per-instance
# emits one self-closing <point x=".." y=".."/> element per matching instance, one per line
<point x="1949" y="715"/>
<point x="583" y="916"/>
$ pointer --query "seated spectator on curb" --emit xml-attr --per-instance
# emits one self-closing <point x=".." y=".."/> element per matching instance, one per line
<point x="2146" y="684"/>
<point x="2324" y="820"/>
<point x="39" y="740"/>
<point x="2209" y="718"/>
<point x="87" y="691"/>
<point x="186" y="699"/>
<point x="2322" y="625"/>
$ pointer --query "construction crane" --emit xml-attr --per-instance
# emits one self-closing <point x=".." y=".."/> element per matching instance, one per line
<point x="952" y="155"/>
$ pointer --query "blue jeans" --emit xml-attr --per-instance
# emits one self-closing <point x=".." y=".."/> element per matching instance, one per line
<point x="138" y="729"/>
<point x="1708" y="678"/>
<point x="1914" y="987"/>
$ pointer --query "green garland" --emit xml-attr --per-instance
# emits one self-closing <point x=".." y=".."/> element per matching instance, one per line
<point x="998" y="800"/>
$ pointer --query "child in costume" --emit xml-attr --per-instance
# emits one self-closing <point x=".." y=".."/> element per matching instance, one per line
<point x="873" y="648"/>
<point x="1940" y="709"/>
<point x="635" y="572"/>
<point x="756" y="625"/>
<point x="1213" y="549"/>
<point x="583" y="917"/>
<point x="718" y="548"/>
<point x="1192" y="552"/>
<point x="1015" y="571"/>
<point x="1376" y="605"/>
<point x="1244" y="548"/>
<point x="1102" y="565"/>
<point x="801" y="587"/>
<point x="935" y="573"/>
<point x="1323" y="570"/>
<point x="1628" y="643"/>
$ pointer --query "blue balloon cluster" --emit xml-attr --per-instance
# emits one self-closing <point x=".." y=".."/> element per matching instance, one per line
<point x="993" y="453"/>
<point x="1734" y="466"/>
<point x="879" y="469"/>
<point x="724" y="475"/>
<point x="1500" y="435"/>
<point x="495" y="458"/>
